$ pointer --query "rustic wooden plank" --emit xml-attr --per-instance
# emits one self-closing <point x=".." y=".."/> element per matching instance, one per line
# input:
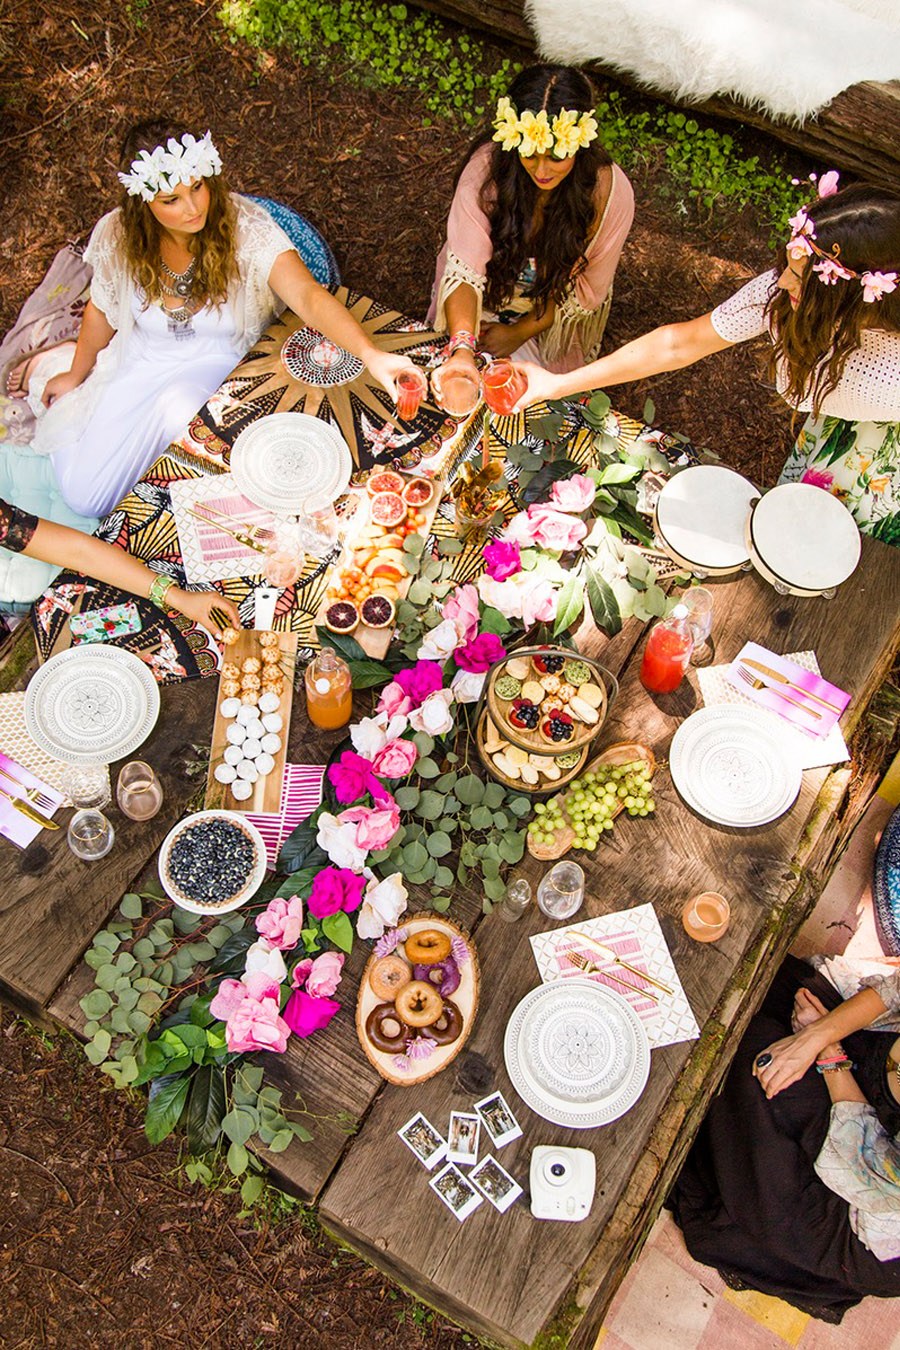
<point x="859" y="130"/>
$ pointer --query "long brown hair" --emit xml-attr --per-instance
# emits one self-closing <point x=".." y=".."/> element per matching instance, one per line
<point x="813" y="341"/>
<point x="509" y="196"/>
<point x="214" y="247"/>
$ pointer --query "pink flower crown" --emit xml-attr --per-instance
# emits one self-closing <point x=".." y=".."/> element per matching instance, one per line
<point x="802" y="244"/>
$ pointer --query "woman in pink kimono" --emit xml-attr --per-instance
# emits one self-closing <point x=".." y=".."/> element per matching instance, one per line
<point x="536" y="227"/>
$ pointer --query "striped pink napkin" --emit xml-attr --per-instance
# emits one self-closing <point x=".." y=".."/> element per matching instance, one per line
<point x="301" y="793"/>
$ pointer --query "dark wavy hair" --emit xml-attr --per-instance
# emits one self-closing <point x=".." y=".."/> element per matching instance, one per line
<point x="813" y="341"/>
<point x="214" y="247"/>
<point x="509" y="195"/>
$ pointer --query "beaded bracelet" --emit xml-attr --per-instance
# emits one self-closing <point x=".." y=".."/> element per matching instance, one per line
<point x="834" y="1065"/>
<point x="159" y="589"/>
<point x="462" y="339"/>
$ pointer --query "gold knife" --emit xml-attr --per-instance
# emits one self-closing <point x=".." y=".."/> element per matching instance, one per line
<point x="29" y="811"/>
<point x="783" y="679"/>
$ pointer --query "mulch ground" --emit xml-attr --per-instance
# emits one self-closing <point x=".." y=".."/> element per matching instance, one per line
<point x="103" y="1242"/>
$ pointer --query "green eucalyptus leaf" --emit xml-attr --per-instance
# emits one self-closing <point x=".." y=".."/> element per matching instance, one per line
<point x="96" y="957"/>
<point x="186" y="923"/>
<point x="512" y="847"/>
<point x="131" y="906"/>
<point x="414" y="545"/>
<point x="430" y="805"/>
<point x="143" y="949"/>
<point x="251" y="1075"/>
<point x="446" y="782"/>
<point x="494" y="888"/>
<point x="91" y="1028"/>
<point x="166" y="1102"/>
<point x="128" y="1070"/>
<point x="427" y="768"/>
<point x="125" y="962"/>
<point x="439" y="844"/>
<point x="414" y="856"/>
<point x="98" y="1047"/>
<point x="443" y="877"/>
<point x="240" y="1123"/>
<point x="106" y="977"/>
<point x="449" y="547"/>
<point x="423" y="742"/>
<point x="470" y="790"/>
<point x="129" y="999"/>
<point x="449" y="824"/>
<point x="119" y="1021"/>
<point x="150" y="1004"/>
<point x="494" y="795"/>
<point x="219" y="935"/>
<point x="481" y="818"/>
<point x="108" y="941"/>
<point x="520" y="806"/>
<point x="95" y="1004"/>
<point x="407" y="797"/>
<point x="200" y="951"/>
<point x="281" y="1141"/>
<point x="139" y="1022"/>
<point x="441" y="903"/>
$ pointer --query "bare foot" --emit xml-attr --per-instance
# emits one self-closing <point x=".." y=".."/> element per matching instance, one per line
<point x="19" y="376"/>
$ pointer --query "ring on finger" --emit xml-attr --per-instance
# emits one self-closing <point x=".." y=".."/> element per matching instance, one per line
<point x="763" y="1061"/>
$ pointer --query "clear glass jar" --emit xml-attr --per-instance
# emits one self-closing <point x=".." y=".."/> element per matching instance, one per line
<point x="329" y="695"/>
<point x="516" y="902"/>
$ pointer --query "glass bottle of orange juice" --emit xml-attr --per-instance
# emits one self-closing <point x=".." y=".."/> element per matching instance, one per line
<point x="329" y="697"/>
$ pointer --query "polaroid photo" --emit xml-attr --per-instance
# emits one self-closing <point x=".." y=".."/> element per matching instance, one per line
<point x="462" y="1138"/>
<point x="495" y="1183"/>
<point x="499" y="1121"/>
<point x="454" y="1189"/>
<point x="420" y="1136"/>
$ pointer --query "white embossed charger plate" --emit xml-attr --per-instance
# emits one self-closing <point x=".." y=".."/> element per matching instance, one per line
<point x="91" y="703"/>
<point x="576" y="1053"/>
<point x="733" y="767"/>
<point x="281" y="460"/>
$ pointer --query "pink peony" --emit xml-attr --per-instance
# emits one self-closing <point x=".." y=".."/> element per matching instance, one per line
<point x="466" y="686"/>
<point x="420" y="680"/>
<point x="256" y="1025"/>
<point x="338" y="839"/>
<point x="573" y="494"/>
<point x="333" y="889"/>
<point x="324" y="974"/>
<point x="481" y="653"/>
<point x="375" y="825"/>
<point x="555" y="531"/>
<point x="394" y="700"/>
<point x="396" y="759"/>
<point x="519" y="531"/>
<point x="462" y="608"/>
<point x="304" y="1014"/>
<point x="352" y="778"/>
<point x="434" y="716"/>
<point x="280" y="922"/>
<point x="502" y="559"/>
<point x="228" y="997"/>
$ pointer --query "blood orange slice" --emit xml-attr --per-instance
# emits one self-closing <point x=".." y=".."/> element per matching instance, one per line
<point x="385" y="480"/>
<point x="388" y="508"/>
<point x="341" y="617"/>
<point x="377" y="611"/>
<point x="419" y="492"/>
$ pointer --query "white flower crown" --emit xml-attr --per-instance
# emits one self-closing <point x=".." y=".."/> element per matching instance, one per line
<point x="176" y="162"/>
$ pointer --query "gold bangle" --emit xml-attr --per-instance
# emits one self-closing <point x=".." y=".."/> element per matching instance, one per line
<point x="159" y="589"/>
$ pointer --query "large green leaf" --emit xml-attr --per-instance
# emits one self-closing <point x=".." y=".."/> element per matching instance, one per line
<point x="345" y="645"/>
<point x="570" y="604"/>
<point x="618" y="473"/>
<point x="604" y="606"/>
<point x="230" y="957"/>
<point x="492" y="621"/>
<point x="339" y="930"/>
<point x="368" y="674"/>
<point x="167" y="1098"/>
<point x="545" y="477"/>
<point x="300" y="849"/>
<point x="205" y="1108"/>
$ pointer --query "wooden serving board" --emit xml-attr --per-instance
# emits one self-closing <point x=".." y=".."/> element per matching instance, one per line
<point x="624" y="752"/>
<point x="465" y="998"/>
<point x="533" y="741"/>
<point x="375" y="641"/>
<point x="266" y="796"/>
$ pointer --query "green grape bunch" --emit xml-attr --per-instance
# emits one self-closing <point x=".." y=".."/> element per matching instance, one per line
<point x="590" y="804"/>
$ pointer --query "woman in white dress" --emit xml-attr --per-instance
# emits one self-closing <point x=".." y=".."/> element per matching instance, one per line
<point x="186" y="275"/>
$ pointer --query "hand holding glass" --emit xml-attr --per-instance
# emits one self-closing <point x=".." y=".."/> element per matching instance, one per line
<point x="457" y="388"/>
<point x="504" y="384"/>
<point x="412" y="386"/>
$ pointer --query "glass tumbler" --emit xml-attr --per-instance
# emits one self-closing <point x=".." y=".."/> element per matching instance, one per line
<point x="319" y="525"/>
<point x="87" y="784"/>
<point x="90" y="835"/>
<point x="139" y="791"/>
<point x="699" y="604"/>
<point x="561" y="892"/>
<point x="706" y="916"/>
<point x="457" y="391"/>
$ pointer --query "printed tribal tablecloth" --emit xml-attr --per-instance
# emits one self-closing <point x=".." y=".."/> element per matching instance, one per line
<point x="324" y="381"/>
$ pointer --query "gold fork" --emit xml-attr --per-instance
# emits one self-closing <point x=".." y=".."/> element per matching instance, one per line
<point x="33" y="794"/>
<point x="581" y="963"/>
<point x="25" y="809"/>
<point x="755" y="683"/>
<point x="612" y="955"/>
<point x="260" y="532"/>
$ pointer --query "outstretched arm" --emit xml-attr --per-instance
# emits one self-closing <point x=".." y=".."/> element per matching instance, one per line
<point x="292" y="282"/>
<point x="64" y="547"/>
<point x="670" y="347"/>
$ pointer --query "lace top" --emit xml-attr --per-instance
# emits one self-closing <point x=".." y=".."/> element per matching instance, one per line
<point x="16" y="527"/>
<point x="868" y="390"/>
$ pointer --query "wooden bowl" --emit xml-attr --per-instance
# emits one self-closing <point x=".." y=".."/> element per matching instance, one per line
<point x="533" y="741"/>
<point x="465" y="998"/>
<point x="624" y="752"/>
<point x="543" y="785"/>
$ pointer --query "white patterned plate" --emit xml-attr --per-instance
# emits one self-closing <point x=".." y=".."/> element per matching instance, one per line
<point x="281" y="460"/>
<point x="91" y="703"/>
<point x="577" y="1054"/>
<point x="733" y="766"/>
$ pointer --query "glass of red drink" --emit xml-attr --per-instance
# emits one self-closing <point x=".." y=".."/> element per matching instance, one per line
<point x="504" y="384"/>
<point x="412" y="387"/>
<point x="667" y="653"/>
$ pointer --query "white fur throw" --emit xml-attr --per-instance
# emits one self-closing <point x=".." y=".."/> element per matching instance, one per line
<point x="790" y="57"/>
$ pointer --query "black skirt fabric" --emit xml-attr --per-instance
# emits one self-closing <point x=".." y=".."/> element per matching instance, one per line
<point x="748" y="1199"/>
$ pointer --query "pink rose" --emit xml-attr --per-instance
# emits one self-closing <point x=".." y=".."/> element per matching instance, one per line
<point x="420" y="680"/>
<point x="505" y="596"/>
<point x="481" y="653"/>
<point x="462" y="608"/>
<point x="394" y="700"/>
<point x="352" y="777"/>
<point x="256" y="1025"/>
<point x="520" y="531"/>
<point x="502" y="559"/>
<point x="554" y="531"/>
<point x="304" y="1014"/>
<point x="375" y="826"/>
<point x="466" y="686"/>
<point x="280" y="922"/>
<point x="229" y="995"/>
<point x="573" y="494"/>
<point x="396" y="759"/>
<point x="539" y="603"/>
<point x="333" y="889"/>
<point x="828" y="183"/>
<point x="324" y="974"/>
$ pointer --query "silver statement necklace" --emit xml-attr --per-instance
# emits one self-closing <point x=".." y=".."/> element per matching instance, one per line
<point x="179" y="286"/>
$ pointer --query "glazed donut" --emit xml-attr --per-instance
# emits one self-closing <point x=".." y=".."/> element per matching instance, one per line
<point x="448" y="1027"/>
<point x="388" y="976"/>
<point x="427" y="946"/>
<point x="385" y="1029"/>
<point x="418" y="1004"/>
<point x="444" y="975"/>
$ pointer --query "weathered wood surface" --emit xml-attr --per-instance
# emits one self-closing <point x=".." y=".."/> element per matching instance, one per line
<point x="859" y="130"/>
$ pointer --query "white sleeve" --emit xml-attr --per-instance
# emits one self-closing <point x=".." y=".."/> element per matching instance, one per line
<point x="743" y="315"/>
<point x="110" y="277"/>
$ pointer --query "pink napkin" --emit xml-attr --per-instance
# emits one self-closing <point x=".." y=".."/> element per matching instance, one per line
<point x="301" y="793"/>
<point x="811" y="716"/>
<point x="15" y="826"/>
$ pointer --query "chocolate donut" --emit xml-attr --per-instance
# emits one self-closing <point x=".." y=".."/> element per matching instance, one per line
<point x="444" y="975"/>
<point x="448" y="1028"/>
<point x="380" y="1029"/>
<point x="427" y="946"/>
<point x="418" y="1004"/>
<point x="388" y="976"/>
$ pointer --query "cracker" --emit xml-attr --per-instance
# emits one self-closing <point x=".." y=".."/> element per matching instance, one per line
<point x="533" y="691"/>
<point x="591" y="693"/>
<point x="518" y="667"/>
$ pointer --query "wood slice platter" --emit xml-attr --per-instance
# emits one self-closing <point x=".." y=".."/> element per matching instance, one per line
<point x="265" y="797"/>
<point x="372" y="557"/>
<point x="624" y="752"/>
<point x="465" y="997"/>
<point x="541" y="688"/>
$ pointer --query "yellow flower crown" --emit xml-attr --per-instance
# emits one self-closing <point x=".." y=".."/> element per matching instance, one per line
<point x="534" y="134"/>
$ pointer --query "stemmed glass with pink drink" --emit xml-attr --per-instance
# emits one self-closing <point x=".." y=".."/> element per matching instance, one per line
<point x="504" y="384"/>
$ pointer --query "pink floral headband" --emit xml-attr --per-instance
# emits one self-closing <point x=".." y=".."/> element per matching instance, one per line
<point x="829" y="270"/>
